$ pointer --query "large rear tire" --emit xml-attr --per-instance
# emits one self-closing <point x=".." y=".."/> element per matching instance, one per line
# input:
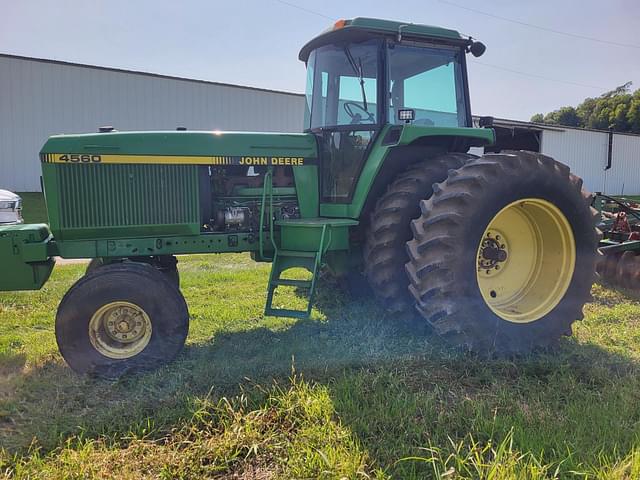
<point x="121" y="317"/>
<point x="390" y="228"/>
<point x="503" y="255"/>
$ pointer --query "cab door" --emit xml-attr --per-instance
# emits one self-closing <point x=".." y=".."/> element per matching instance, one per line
<point x="342" y="155"/>
<point x="344" y="112"/>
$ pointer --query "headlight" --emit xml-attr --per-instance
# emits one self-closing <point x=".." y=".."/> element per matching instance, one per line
<point x="8" y="205"/>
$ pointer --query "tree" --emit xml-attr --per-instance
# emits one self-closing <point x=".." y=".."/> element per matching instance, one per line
<point x="618" y="109"/>
<point x="564" y="116"/>
<point x="633" y="114"/>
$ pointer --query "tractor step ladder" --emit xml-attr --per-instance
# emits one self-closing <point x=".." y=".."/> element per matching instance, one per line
<point x="303" y="244"/>
<point x="286" y="259"/>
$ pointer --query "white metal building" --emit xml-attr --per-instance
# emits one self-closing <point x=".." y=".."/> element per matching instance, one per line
<point x="607" y="162"/>
<point x="39" y="98"/>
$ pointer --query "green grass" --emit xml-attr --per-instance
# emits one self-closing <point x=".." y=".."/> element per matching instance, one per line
<point x="34" y="209"/>
<point x="350" y="393"/>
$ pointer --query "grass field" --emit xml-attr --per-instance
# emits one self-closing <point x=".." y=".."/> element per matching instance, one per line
<point x="34" y="209"/>
<point x="350" y="393"/>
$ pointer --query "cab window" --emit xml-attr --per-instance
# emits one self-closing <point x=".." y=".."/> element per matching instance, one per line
<point x="429" y="81"/>
<point x="342" y="85"/>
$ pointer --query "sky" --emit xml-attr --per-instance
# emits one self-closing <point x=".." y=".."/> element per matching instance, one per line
<point x="256" y="42"/>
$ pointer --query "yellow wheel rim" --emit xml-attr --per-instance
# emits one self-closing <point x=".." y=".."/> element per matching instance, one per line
<point x="525" y="260"/>
<point x="120" y="330"/>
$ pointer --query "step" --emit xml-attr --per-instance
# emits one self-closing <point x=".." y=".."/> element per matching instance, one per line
<point x="292" y="283"/>
<point x="285" y="312"/>
<point x="313" y="234"/>
<point x="318" y="222"/>
<point x="296" y="253"/>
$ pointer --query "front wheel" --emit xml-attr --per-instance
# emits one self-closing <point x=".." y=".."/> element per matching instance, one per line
<point x="121" y="317"/>
<point x="503" y="254"/>
<point x="166" y="264"/>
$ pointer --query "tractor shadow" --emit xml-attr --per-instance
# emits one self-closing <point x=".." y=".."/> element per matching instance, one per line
<point x="370" y="362"/>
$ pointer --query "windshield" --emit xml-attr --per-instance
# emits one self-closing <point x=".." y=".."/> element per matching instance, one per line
<point x="428" y="80"/>
<point x="342" y="85"/>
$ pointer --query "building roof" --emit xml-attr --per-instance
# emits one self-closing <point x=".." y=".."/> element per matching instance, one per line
<point x="506" y="123"/>
<point x="148" y="74"/>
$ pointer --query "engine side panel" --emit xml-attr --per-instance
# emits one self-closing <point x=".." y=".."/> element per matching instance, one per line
<point x="140" y="184"/>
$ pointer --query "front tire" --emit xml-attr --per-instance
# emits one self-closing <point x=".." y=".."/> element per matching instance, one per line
<point x="503" y="255"/>
<point x="166" y="264"/>
<point x="122" y="317"/>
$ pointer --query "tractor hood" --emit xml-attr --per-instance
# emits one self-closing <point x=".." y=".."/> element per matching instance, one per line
<point x="182" y="147"/>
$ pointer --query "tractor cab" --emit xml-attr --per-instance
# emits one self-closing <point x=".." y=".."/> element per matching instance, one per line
<point x="366" y="80"/>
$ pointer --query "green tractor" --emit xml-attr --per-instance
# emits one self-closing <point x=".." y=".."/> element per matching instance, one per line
<point x="496" y="253"/>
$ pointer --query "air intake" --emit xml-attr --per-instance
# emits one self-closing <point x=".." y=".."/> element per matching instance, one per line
<point x="103" y="201"/>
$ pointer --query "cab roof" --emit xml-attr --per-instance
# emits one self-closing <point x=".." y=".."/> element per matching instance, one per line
<point x="362" y="27"/>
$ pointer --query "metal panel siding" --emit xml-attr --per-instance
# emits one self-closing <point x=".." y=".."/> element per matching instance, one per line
<point x="623" y="178"/>
<point x="40" y="99"/>
<point x="585" y="152"/>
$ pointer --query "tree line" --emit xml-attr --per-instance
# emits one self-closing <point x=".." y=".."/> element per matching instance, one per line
<point x="618" y="109"/>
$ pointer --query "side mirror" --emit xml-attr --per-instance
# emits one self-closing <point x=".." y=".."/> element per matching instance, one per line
<point x="485" y="122"/>
<point x="477" y="49"/>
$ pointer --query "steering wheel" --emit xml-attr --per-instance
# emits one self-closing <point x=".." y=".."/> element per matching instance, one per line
<point x="356" y="117"/>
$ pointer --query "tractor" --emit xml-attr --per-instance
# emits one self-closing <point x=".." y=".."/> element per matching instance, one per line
<point x="495" y="253"/>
